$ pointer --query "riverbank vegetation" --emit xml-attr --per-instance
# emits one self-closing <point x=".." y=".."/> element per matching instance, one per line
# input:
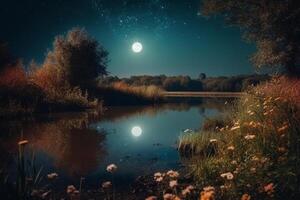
<point x="186" y="83"/>
<point x="256" y="153"/>
<point x="65" y="81"/>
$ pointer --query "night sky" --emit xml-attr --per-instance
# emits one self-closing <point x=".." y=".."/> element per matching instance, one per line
<point x="176" y="38"/>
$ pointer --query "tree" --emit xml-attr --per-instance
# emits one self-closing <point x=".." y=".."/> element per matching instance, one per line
<point x="76" y="59"/>
<point x="273" y="25"/>
<point x="202" y="76"/>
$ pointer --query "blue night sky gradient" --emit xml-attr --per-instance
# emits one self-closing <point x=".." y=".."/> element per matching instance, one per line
<point x="176" y="38"/>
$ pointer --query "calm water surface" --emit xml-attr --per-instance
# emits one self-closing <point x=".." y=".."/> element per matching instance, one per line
<point x="82" y="144"/>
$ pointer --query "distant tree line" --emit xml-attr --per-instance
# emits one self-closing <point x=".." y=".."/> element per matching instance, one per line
<point x="186" y="83"/>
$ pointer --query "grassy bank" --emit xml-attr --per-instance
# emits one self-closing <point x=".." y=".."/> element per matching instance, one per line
<point x="122" y="94"/>
<point x="255" y="154"/>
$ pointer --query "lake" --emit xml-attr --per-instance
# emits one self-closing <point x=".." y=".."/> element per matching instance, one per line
<point x="78" y="145"/>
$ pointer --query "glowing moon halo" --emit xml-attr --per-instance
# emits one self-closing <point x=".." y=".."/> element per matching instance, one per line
<point x="137" y="47"/>
<point x="136" y="131"/>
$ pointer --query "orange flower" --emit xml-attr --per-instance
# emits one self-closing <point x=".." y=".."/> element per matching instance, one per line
<point x="246" y="197"/>
<point x="269" y="188"/>
<point x="23" y="142"/>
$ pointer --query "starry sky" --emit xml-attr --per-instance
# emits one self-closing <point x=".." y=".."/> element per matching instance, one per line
<point x="176" y="38"/>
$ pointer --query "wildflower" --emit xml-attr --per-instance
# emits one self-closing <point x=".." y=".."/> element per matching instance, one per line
<point x="208" y="193"/>
<point x="71" y="189"/>
<point x="173" y="184"/>
<point x="52" y="176"/>
<point x="111" y="168"/>
<point x="231" y="148"/>
<point x="281" y="149"/>
<point x="228" y="175"/>
<point x="255" y="158"/>
<point x="187" y="190"/>
<point x="151" y="198"/>
<point x="235" y="128"/>
<point x="173" y="174"/>
<point x="249" y="137"/>
<point x="45" y="194"/>
<point x="208" y="188"/>
<point x="157" y="174"/>
<point x="269" y="188"/>
<point x="277" y="99"/>
<point x="246" y="197"/>
<point x="187" y="131"/>
<point x="106" y="185"/>
<point x="213" y="140"/>
<point x="253" y="169"/>
<point x="159" y="179"/>
<point x="169" y="196"/>
<point x="234" y="162"/>
<point x="23" y="142"/>
<point x="283" y="128"/>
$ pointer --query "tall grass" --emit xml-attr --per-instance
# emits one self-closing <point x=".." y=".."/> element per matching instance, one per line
<point x="258" y="153"/>
<point x="122" y="94"/>
<point x="151" y="92"/>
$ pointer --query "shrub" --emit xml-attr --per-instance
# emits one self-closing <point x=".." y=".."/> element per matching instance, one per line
<point x="260" y="148"/>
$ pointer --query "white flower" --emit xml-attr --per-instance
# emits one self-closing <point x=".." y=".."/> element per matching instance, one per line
<point x="111" y="168"/>
<point x="213" y="140"/>
<point x="173" y="174"/>
<point x="106" y="184"/>
<point x="173" y="184"/>
<point x="208" y="188"/>
<point x="249" y="137"/>
<point x="187" y="131"/>
<point x="52" y="176"/>
<point x="231" y="148"/>
<point x="157" y="174"/>
<point x="159" y="179"/>
<point x="71" y="189"/>
<point x="228" y="175"/>
<point x="235" y="128"/>
<point x="187" y="190"/>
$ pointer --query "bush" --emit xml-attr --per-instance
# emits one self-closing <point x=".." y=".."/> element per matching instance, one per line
<point x="258" y="153"/>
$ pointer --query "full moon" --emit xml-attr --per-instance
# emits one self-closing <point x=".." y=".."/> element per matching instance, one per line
<point x="137" y="47"/>
<point x="136" y="131"/>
